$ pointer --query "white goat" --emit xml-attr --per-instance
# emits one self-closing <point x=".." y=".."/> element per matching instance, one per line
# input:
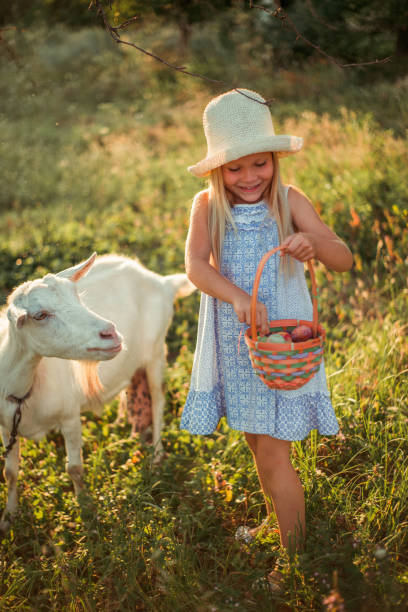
<point x="48" y="325"/>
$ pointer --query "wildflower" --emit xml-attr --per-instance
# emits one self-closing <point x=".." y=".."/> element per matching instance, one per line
<point x="355" y="219"/>
<point x="228" y="492"/>
<point x="137" y="456"/>
<point x="334" y="602"/>
<point x="380" y="553"/>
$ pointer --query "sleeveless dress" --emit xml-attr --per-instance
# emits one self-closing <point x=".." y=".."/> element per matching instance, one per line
<point x="223" y="382"/>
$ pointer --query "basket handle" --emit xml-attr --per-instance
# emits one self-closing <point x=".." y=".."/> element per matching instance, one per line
<point x="256" y="286"/>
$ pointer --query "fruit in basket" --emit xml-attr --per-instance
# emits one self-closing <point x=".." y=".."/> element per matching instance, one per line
<point x="278" y="337"/>
<point x="301" y="333"/>
<point x="287" y="336"/>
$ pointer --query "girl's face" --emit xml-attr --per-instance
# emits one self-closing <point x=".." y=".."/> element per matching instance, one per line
<point x="247" y="178"/>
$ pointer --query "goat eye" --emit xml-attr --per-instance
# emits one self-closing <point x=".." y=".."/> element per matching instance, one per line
<point x="40" y="316"/>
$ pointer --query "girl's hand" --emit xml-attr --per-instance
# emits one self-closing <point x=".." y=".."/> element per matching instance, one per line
<point x="242" y="308"/>
<point x="314" y="239"/>
<point x="301" y="246"/>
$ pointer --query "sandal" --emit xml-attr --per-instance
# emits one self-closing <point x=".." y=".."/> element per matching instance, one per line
<point x="264" y="526"/>
<point x="246" y="535"/>
<point x="273" y="582"/>
<point x="275" y="579"/>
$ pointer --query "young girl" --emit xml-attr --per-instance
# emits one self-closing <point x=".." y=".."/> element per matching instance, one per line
<point x="245" y="212"/>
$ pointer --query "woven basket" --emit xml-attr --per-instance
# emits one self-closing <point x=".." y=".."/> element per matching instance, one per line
<point x="287" y="365"/>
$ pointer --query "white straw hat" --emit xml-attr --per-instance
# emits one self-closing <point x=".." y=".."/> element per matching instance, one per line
<point x="238" y="124"/>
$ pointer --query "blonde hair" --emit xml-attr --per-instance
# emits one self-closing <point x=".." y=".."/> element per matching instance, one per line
<point x="219" y="211"/>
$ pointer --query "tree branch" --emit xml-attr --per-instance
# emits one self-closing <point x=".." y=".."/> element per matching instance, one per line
<point x="316" y="15"/>
<point x="114" y="33"/>
<point x="278" y="13"/>
<point x="286" y="21"/>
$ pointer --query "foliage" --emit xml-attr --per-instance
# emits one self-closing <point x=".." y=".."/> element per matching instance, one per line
<point x="163" y="537"/>
<point x="188" y="11"/>
<point x="94" y="152"/>
<point x="347" y="30"/>
<point x="74" y="13"/>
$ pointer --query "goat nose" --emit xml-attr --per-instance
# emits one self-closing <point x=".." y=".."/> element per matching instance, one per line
<point x="109" y="333"/>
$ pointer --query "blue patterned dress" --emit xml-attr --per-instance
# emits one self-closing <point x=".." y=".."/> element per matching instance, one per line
<point x="223" y="382"/>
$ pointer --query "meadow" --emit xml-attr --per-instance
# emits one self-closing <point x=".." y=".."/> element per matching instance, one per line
<point x="95" y="142"/>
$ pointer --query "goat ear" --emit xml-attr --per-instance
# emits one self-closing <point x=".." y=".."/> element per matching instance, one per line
<point x="78" y="271"/>
<point x="17" y="316"/>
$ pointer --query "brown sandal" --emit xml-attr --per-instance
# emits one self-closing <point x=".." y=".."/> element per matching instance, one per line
<point x="275" y="579"/>
<point x="264" y="526"/>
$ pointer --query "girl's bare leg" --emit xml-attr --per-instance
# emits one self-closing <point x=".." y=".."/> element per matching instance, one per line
<point x="281" y="486"/>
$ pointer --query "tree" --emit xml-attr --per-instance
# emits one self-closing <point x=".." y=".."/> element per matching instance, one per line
<point x="354" y="30"/>
<point x="184" y="13"/>
<point x="73" y="13"/>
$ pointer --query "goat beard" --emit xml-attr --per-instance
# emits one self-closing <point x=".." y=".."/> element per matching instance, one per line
<point x="87" y="372"/>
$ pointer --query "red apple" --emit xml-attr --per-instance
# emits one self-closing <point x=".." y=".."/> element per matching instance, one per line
<point x="301" y="333"/>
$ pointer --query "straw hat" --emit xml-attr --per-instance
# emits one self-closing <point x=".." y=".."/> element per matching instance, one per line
<point x="236" y="124"/>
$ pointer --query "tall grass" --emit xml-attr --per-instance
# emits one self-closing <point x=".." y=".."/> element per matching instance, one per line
<point x="95" y="143"/>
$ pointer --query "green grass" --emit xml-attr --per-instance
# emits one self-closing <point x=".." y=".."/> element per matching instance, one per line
<point x="94" y="146"/>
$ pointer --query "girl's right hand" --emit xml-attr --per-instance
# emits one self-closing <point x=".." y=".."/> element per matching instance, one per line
<point x="242" y="308"/>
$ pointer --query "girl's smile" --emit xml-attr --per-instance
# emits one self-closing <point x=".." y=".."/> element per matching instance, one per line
<point x="247" y="178"/>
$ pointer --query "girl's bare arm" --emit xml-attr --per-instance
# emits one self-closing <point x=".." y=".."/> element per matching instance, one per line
<point x="204" y="276"/>
<point x="313" y="238"/>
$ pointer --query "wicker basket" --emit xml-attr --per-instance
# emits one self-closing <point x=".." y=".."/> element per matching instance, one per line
<point x="288" y="365"/>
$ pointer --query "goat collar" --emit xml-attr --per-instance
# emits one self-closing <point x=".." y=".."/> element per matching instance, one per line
<point x="16" y="419"/>
<point x="19" y="400"/>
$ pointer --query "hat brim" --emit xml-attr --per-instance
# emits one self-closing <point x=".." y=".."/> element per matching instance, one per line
<point x="282" y="145"/>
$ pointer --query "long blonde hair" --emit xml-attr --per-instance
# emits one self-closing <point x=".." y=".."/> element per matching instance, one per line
<point x="219" y="211"/>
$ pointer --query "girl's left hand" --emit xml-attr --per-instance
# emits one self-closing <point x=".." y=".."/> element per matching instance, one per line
<point x="300" y="245"/>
